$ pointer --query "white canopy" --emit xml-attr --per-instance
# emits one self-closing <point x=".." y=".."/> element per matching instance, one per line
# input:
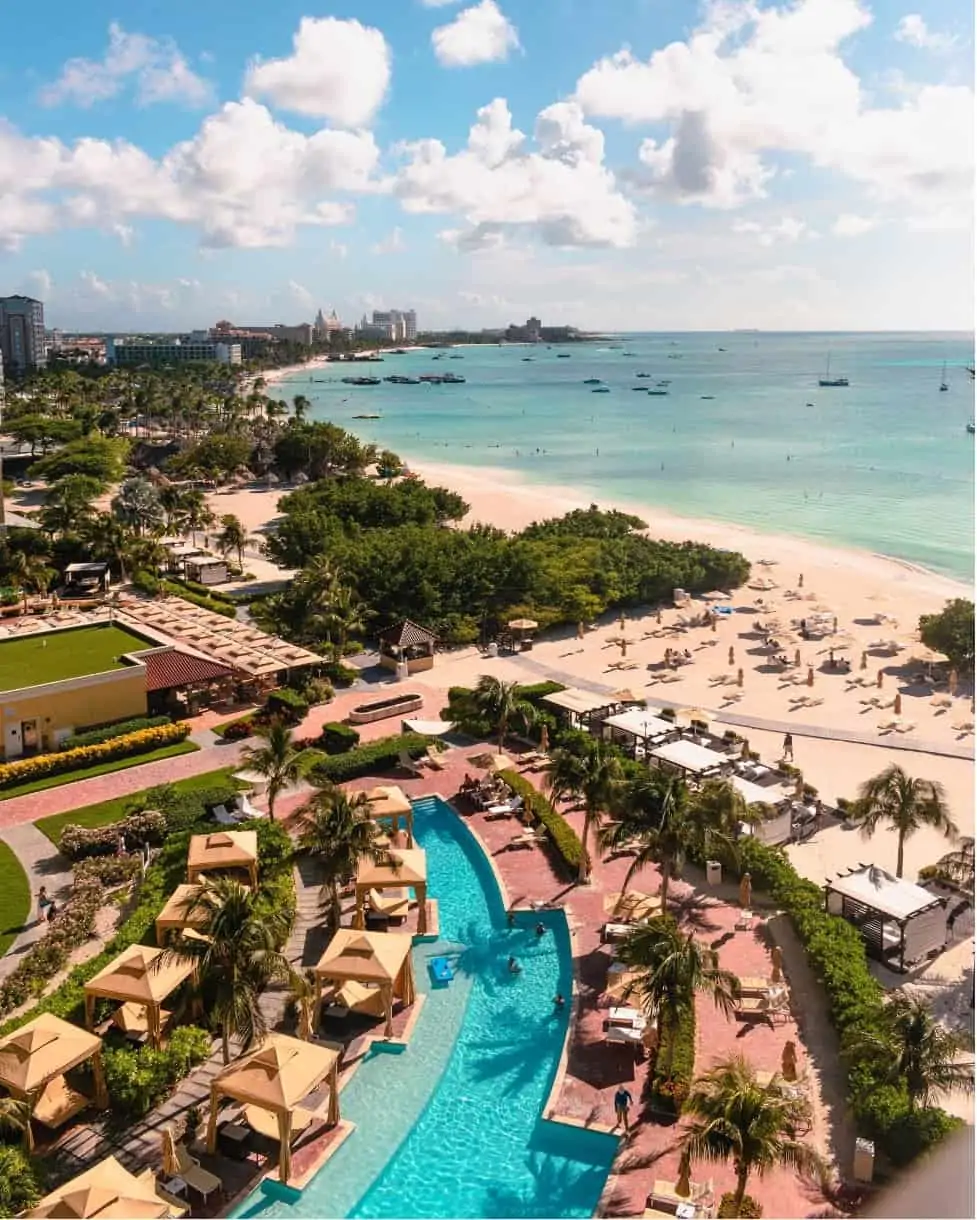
<point x="882" y="892"/>
<point x="579" y="701"/>
<point x="688" y="756"/>
<point x="754" y="794"/>
<point x="428" y="728"/>
<point x="640" y="723"/>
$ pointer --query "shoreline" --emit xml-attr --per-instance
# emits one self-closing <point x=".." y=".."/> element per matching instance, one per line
<point x="480" y="488"/>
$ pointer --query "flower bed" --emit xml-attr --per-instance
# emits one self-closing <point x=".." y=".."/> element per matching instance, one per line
<point x="144" y="741"/>
<point x="77" y="842"/>
<point x="108" y="732"/>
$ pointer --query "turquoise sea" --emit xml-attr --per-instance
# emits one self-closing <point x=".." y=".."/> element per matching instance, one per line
<point x="744" y="433"/>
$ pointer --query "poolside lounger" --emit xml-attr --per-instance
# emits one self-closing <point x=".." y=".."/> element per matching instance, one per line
<point x="744" y="921"/>
<point x="394" y="903"/>
<point x="528" y="838"/>
<point x="406" y="763"/>
<point x="442" y="970"/>
<point x="201" y="1180"/>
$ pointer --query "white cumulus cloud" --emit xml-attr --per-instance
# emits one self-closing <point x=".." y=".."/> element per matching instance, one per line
<point x="338" y="70"/>
<point x="849" y="224"/>
<point x="478" y="35"/>
<point x="914" y="30"/>
<point x="788" y="229"/>
<point x="563" y="192"/>
<point x="155" y="66"/>
<point x="752" y="82"/>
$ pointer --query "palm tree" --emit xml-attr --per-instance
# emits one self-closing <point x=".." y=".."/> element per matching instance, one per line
<point x="238" y="955"/>
<point x="31" y="572"/>
<point x="335" y="827"/>
<point x="672" y="967"/>
<point x="68" y="503"/>
<point x="592" y="772"/>
<point x="15" y="1117"/>
<point x="654" y="821"/>
<point x="344" y="615"/>
<point x="733" y="1118"/>
<point x="301" y="405"/>
<point x="919" y="1051"/>
<point x="137" y="504"/>
<point x="232" y="537"/>
<point x="195" y="513"/>
<point x="907" y="804"/>
<point x="500" y="704"/>
<point x="279" y="761"/>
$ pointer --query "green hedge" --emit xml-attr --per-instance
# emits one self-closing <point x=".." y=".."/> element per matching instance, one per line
<point x="369" y="759"/>
<point x="207" y="602"/>
<point x="668" y="1091"/>
<point x="107" y="732"/>
<point x="138" y="1080"/>
<point x="461" y="708"/>
<point x="338" y="738"/>
<point x="141" y="741"/>
<point x="564" y="838"/>
<point x="193" y="586"/>
<point x="836" y="954"/>
<point x="287" y="704"/>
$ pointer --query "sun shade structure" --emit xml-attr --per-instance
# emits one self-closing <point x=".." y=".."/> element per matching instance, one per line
<point x="106" y="1190"/>
<point x="639" y="723"/>
<point x="33" y="1063"/>
<point x="142" y="977"/>
<point x="397" y="869"/>
<point x="388" y="803"/>
<point x="182" y="910"/>
<point x="407" y="643"/>
<point x="687" y="756"/>
<point x="276" y="1078"/>
<point x="899" y="921"/>
<point x="579" y="703"/>
<point x="224" y="851"/>
<point x="380" y="960"/>
<point x="492" y="762"/>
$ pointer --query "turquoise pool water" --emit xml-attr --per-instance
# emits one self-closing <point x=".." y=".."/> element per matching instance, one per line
<point x="451" y="1126"/>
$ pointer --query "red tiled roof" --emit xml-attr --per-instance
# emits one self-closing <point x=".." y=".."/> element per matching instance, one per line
<point x="166" y="670"/>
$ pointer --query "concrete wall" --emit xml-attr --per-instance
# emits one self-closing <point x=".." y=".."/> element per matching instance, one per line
<point x="60" y="708"/>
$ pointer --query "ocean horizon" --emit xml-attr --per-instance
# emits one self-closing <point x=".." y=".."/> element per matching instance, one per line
<point x="742" y="433"/>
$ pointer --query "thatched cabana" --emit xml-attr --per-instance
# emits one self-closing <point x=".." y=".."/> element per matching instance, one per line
<point x="275" y="1079"/>
<point x="399" y="868"/>
<point x="378" y="962"/>
<point x="106" y="1190"/>
<point x="224" y="851"/>
<point x="140" y="978"/>
<point x="388" y="803"/>
<point x="34" y="1061"/>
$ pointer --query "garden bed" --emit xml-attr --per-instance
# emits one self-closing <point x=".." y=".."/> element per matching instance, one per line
<point x="383" y="709"/>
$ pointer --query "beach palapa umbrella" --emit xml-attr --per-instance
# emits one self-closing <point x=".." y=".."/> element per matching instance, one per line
<point x="732" y="655"/>
<point x="620" y="621"/>
<point x="544" y="739"/>
<point x="739" y="677"/>
<point x="797" y="657"/>
<point x="878" y="679"/>
<point x="580" y="631"/>
<point x="953" y="682"/>
<point x="863" y="664"/>
<point x="788" y="1062"/>
<point x="897" y="704"/>
<point x="522" y="624"/>
<point x="171" y="1162"/>
<point x="776" y="964"/>
<point x="810" y="675"/>
<point x="746" y="891"/>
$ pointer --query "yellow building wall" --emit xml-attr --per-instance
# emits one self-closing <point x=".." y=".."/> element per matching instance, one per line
<point x="73" y="705"/>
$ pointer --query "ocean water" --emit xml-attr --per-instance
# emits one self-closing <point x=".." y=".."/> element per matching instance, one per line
<point x="744" y="434"/>
<point x="452" y="1125"/>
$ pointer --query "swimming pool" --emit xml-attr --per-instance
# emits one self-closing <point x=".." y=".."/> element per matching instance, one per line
<point x="451" y="1126"/>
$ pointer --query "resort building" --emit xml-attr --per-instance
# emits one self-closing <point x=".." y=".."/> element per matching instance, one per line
<point x="188" y="349"/>
<point x="22" y="342"/>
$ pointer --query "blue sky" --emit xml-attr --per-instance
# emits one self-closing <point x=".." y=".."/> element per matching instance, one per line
<point x="627" y="164"/>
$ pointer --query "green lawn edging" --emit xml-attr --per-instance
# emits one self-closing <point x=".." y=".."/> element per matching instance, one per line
<point x="107" y="768"/>
<point x="15" y="897"/>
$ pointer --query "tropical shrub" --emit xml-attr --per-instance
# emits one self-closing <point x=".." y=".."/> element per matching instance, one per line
<point x="19" y="1187"/>
<point x="207" y="602"/>
<point x="318" y="690"/>
<point x="25" y="770"/>
<point x="951" y="631"/>
<point x="137" y="1080"/>
<point x="287" y="704"/>
<point x="339" y="674"/>
<point x="338" y="738"/>
<point x="668" y="1090"/>
<point x="108" y="732"/>
<point x="565" y="840"/>
<point x="749" y="1207"/>
<point x="375" y="756"/>
<point x="463" y="711"/>
<point x="916" y="1131"/>
<point x="240" y="730"/>
<point x="78" y="842"/>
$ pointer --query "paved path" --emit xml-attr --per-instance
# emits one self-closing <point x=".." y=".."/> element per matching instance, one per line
<point x="43" y="866"/>
<point x="910" y="744"/>
<point x="83" y="792"/>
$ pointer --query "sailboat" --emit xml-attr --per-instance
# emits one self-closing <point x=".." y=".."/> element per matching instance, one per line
<point x="828" y="381"/>
<point x="944" y="386"/>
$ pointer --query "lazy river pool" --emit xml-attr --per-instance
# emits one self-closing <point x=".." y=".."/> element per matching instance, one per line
<point x="451" y="1126"/>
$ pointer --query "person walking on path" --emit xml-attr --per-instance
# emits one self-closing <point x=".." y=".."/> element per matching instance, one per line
<point x="43" y="902"/>
<point x="622" y="1103"/>
<point x="788" y="746"/>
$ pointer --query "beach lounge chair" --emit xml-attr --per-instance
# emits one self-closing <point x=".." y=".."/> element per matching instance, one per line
<point x="393" y="903"/>
<point x="198" y="1179"/>
<point x="432" y="759"/>
<point x="406" y="763"/>
<point x="58" y="1102"/>
<point x="528" y="838"/>
<point x="744" y="921"/>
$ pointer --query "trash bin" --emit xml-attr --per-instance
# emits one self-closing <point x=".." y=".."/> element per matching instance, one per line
<point x="714" y="872"/>
<point x="863" y="1167"/>
<point x="493" y="649"/>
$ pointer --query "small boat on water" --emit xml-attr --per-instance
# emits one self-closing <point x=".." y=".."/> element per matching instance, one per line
<point x="666" y="381"/>
<point x="361" y="380"/>
<point x="591" y="381"/>
<point x="829" y="382"/>
<point x="639" y="389"/>
<point x="456" y="357"/>
<point x="366" y="417"/>
<point x="970" y="427"/>
<point x="944" y="384"/>
<point x="642" y="374"/>
<point x="629" y="354"/>
<point x="657" y="393"/>
<point x="563" y="355"/>
<point x="527" y="359"/>
<point x="601" y="389"/>
<point x="707" y="397"/>
<point x="720" y="349"/>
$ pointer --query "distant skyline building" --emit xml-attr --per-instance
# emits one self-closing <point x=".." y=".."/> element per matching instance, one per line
<point x="323" y="327"/>
<point x="188" y="349"/>
<point x="22" y="334"/>
<point x="397" y="325"/>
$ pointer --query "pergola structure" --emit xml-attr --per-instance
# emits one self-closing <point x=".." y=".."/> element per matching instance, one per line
<point x="379" y="961"/>
<point x="398" y="868"/>
<point x="224" y="851"/>
<point x="583" y="708"/>
<point x="689" y="758"/>
<point x="275" y="1079"/>
<point x="407" y="643"/>
<point x="638" y="725"/>
<point x="140" y="978"/>
<point x="107" y="1190"/>
<point x="180" y="912"/>
<point x="388" y="803"/>
<point x="899" y="921"/>
<point x="33" y="1063"/>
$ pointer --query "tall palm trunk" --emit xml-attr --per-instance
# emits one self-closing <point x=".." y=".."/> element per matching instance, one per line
<point x="666" y="868"/>
<point x="583" y="873"/>
<point x="742" y="1174"/>
<point x="336" y="904"/>
<point x="502" y="728"/>
<point x="225" y="1044"/>
<point x="899" y="852"/>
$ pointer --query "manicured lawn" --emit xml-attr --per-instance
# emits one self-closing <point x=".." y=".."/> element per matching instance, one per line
<point x="58" y="655"/>
<point x="111" y="811"/>
<point x="15" y="897"/>
<point x="106" y="768"/>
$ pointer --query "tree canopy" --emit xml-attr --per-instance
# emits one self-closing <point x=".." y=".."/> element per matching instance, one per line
<point x="951" y="631"/>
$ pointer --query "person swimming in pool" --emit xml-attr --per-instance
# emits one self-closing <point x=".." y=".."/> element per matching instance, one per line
<point x="514" y="967"/>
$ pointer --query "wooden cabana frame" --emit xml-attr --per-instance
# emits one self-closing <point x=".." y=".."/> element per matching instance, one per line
<point x="139" y="976"/>
<point x="378" y="959"/>
<point x="182" y="911"/>
<point x="37" y="1056"/>
<point x="107" y="1189"/>
<point x="224" y="851"/>
<point x="399" y="868"/>
<point x="388" y="803"/>
<point x="276" y="1078"/>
